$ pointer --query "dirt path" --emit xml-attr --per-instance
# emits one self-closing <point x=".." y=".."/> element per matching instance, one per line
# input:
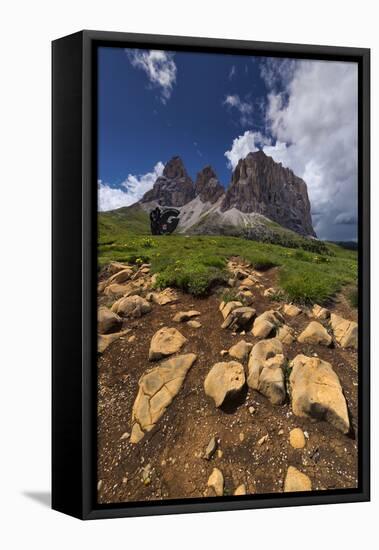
<point x="171" y="453"/>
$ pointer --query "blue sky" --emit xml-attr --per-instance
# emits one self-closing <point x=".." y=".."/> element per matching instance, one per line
<point x="214" y="109"/>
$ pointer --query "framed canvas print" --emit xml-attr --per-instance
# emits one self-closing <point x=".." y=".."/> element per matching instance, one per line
<point x="210" y="275"/>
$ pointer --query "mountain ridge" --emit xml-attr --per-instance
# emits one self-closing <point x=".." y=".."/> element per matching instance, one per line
<point x="260" y="189"/>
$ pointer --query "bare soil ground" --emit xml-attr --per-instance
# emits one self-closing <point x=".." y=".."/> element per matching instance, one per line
<point x="173" y="449"/>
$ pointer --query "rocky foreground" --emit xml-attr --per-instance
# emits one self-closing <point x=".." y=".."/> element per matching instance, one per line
<point x="237" y="393"/>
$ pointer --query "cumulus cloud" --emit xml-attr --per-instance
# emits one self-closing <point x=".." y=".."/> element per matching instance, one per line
<point x="130" y="191"/>
<point x="159" y="67"/>
<point x="243" y="145"/>
<point x="316" y="118"/>
<point x="244" y="108"/>
<point x="312" y="120"/>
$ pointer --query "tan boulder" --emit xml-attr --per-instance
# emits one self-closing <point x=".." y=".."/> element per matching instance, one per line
<point x="116" y="290"/>
<point x="286" y="334"/>
<point x="166" y="296"/>
<point x="316" y="392"/>
<point x="228" y="308"/>
<point x="240" y="490"/>
<point x="115" y="267"/>
<point x="131" y="306"/>
<point x="239" y="318"/>
<point x="266" y="323"/>
<point x="291" y="310"/>
<point x="107" y="321"/>
<point x="216" y="482"/>
<point x="156" y="390"/>
<point x="165" y="341"/>
<point x="224" y="380"/>
<point x="183" y="316"/>
<point x="320" y="312"/>
<point x="297" y="438"/>
<point x="315" y="333"/>
<point x="121" y="276"/>
<point x="240" y="350"/>
<point x="296" y="481"/>
<point x="345" y="332"/>
<point x="266" y="370"/>
<point x="105" y="340"/>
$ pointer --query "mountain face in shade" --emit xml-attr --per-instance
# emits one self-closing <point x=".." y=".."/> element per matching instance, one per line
<point x="263" y="186"/>
<point x="207" y="186"/>
<point x="173" y="188"/>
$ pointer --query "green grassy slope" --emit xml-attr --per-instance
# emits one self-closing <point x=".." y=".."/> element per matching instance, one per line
<point x="195" y="263"/>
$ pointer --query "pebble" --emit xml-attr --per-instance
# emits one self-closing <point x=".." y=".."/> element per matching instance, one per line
<point x="262" y="440"/>
<point x="297" y="439"/>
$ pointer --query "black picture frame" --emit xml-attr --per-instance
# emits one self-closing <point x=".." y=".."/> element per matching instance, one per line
<point x="74" y="274"/>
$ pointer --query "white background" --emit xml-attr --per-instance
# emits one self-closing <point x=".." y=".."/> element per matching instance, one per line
<point x="27" y="29"/>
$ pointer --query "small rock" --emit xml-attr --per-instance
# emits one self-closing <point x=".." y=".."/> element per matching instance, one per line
<point x="297" y="439"/>
<point x="262" y="440"/>
<point x="316" y="392"/>
<point x="286" y="334"/>
<point x="183" y="316"/>
<point x="107" y="321"/>
<point x="219" y="453"/>
<point x="266" y="370"/>
<point x="296" y="481"/>
<point x="345" y="332"/>
<point x="291" y="310"/>
<point x="320" y="312"/>
<point x="224" y="380"/>
<point x="240" y="350"/>
<point x="125" y="435"/>
<point x="281" y="431"/>
<point x="211" y="449"/>
<point x="216" y="482"/>
<point x="240" y="490"/>
<point x="315" y="333"/>
<point x="241" y="436"/>
<point x="251" y="410"/>
<point x="194" y="324"/>
<point x="266" y="323"/>
<point x="165" y="341"/>
<point x="131" y="338"/>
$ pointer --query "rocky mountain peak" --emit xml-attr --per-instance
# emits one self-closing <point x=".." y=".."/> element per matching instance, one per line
<point x="174" y="187"/>
<point x="261" y="185"/>
<point x="207" y="186"/>
<point x="174" y="169"/>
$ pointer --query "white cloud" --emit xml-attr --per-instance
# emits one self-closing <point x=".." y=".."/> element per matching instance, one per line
<point x="243" y="145"/>
<point x="244" y="108"/>
<point x="316" y="118"/>
<point x="131" y="190"/>
<point x="159" y="67"/>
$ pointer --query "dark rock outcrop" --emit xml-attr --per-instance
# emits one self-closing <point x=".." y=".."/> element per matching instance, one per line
<point x="207" y="186"/>
<point x="174" y="187"/>
<point x="261" y="185"/>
